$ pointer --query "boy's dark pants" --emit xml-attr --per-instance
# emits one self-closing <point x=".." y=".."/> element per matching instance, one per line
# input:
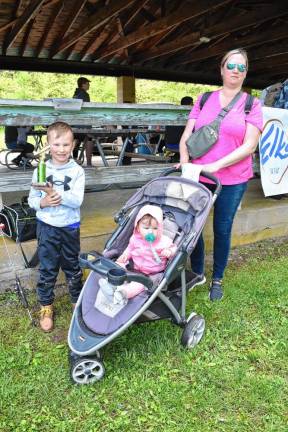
<point x="58" y="248"/>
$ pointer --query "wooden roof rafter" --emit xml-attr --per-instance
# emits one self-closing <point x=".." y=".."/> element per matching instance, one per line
<point x="130" y="14"/>
<point x="247" y="41"/>
<point x="154" y="39"/>
<point x="76" y="8"/>
<point x="215" y="31"/>
<point x="161" y="25"/>
<point x="153" y="42"/>
<point x="134" y="12"/>
<point x="27" y="32"/>
<point x="94" y="22"/>
<point x="52" y="18"/>
<point x="14" y="20"/>
<point x="27" y="15"/>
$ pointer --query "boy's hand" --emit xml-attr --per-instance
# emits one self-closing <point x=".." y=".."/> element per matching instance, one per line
<point x="47" y="187"/>
<point x="52" y="199"/>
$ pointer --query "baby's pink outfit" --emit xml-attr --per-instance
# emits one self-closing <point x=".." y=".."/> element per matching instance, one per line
<point x="140" y="251"/>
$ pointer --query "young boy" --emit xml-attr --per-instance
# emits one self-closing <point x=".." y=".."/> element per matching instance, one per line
<point x="57" y="206"/>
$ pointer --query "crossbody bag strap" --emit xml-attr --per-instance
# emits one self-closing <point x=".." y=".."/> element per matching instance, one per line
<point x="226" y="109"/>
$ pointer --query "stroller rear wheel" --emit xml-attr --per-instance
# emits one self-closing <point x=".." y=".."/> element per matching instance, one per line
<point x="87" y="370"/>
<point x="193" y="331"/>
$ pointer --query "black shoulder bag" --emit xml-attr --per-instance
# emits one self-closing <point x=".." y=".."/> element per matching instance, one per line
<point x="201" y="141"/>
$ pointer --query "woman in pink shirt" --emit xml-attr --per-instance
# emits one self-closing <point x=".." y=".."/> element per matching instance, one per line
<point x="230" y="159"/>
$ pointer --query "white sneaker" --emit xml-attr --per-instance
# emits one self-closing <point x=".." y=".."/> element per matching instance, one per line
<point x="119" y="297"/>
<point x="106" y="287"/>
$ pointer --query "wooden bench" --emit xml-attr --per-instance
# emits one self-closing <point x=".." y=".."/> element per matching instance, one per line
<point x="113" y="177"/>
<point x="147" y="157"/>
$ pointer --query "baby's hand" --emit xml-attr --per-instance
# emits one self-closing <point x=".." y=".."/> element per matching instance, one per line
<point x="123" y="258"/>
<point x="167" y="253"/>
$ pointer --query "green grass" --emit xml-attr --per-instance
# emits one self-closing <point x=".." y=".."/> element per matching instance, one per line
<point x="234" y="380"/>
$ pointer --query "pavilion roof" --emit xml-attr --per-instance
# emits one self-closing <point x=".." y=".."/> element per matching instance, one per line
<point x="173" y="40"/>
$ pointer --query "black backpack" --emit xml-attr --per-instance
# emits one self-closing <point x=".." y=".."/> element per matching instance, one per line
<point x="20" y="225"/>
<point x="248" y="103"/>
<point x="20" y="221"/>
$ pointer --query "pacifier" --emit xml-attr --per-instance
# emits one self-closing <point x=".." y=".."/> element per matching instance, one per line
<point x="150" y="238"/>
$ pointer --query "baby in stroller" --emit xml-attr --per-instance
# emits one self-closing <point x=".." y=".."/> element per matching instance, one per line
<point x="148" y="249"/>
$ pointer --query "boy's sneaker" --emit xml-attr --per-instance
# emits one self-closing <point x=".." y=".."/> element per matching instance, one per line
<point x="196" y="279"/>
<point x="46" y="318"/>
<point x="216" y="290"/>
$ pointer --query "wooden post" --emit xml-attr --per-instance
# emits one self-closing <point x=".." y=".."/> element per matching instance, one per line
<point x="126" y="89"/>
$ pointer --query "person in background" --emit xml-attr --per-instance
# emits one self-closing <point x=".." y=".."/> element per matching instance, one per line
<point x="186" y="100"/>
<point x="57" y="206"/>
<point x="81" y="92"/>
<point x="16" y="138"/>
<point x="230" y="159"/>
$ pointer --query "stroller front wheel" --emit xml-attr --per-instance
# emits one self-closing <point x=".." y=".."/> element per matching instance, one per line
<point x="193" y="331"/>
<point x="87" y="370"/>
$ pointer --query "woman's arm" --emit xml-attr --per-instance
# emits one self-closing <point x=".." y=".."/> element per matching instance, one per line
<point x="184" y="155"/>
<point x="248" y="147"/>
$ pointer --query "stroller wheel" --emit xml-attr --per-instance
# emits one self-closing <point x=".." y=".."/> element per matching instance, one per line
<point x="193" y="331"/>
<point x="87" y="370"/>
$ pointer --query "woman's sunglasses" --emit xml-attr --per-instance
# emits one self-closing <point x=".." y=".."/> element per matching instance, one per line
<point x="241" y="67"/>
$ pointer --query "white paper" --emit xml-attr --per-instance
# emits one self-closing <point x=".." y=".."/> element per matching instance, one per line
<point x="191" y="171"/>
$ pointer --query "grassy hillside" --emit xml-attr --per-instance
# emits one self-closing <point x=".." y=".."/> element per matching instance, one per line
<point x="38" y="86"/>
<point x="35" y="85"/>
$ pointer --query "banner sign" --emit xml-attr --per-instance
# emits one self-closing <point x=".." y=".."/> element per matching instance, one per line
<point x="273" y="151"/>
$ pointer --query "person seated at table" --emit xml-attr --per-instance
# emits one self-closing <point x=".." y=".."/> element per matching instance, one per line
<point x="174" y="133"/>
<point x="16" y="139"/>
<point x="81" y="92"/>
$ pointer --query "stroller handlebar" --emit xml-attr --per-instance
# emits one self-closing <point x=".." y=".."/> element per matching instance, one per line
<point x="203" y="174"/>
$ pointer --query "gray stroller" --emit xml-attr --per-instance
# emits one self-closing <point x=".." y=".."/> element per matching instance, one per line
<point x="95" y="323"/>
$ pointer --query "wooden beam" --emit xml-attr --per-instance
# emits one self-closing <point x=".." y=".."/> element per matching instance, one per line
<point x="267" y="51"/>
<point x="107" y="32"/>
<point x="14" y="112"/>
<point x="93" y="177"/>
<point x="75" y="8"/>
<point x="245" y="42"/>
<point x="236" y="23"/>
<point x="269" y="62"/>
<point x="11" y="23"/>
<point x="28" y="14"/>
<point x="96" y="41"/>
<point x="94" y="22"/>
<point x="168" y="48"/>
<point x="122" y="33"/>
<point x="135" y="9"/>
<point x="51" y="19"/>
<point x="28" y="30"/>
<point x="161" y="25"/>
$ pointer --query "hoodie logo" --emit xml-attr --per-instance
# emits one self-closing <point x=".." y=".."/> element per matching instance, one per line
<point x="66" y="182"/>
